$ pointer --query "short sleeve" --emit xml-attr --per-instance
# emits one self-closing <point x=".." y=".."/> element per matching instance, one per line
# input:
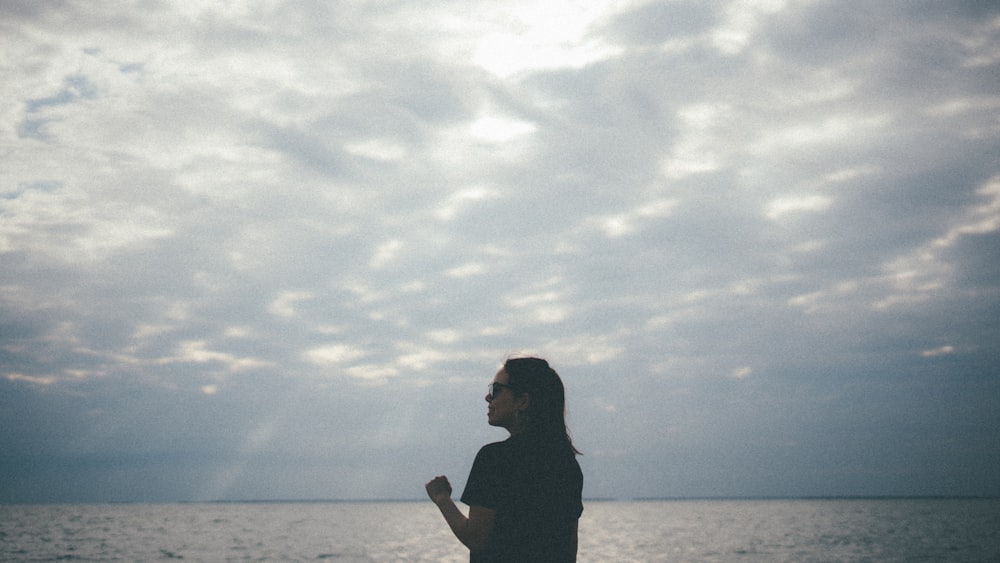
<point x="485" y="484"/>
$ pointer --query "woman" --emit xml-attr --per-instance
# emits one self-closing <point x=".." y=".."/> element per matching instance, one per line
<point x="524" y="494"/>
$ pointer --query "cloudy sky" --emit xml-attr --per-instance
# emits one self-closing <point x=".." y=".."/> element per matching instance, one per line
<point x="276" y="250"/>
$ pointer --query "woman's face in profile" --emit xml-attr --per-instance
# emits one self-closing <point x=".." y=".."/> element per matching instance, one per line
<point x="503" y="404"/>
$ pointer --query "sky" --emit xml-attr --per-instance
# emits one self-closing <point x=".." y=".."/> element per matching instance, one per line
<point x="261" y="250"/>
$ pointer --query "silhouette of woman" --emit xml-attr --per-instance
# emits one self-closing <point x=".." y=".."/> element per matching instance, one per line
<point x="524" y="493"/>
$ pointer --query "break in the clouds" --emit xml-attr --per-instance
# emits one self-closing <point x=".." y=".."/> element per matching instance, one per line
<point x="277" y="249"/>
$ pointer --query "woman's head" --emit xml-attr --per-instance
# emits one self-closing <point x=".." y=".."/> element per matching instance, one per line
<point x="544" y="397"/>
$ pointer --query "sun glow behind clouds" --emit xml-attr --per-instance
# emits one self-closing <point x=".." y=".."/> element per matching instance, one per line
<point x="540" y="35"/>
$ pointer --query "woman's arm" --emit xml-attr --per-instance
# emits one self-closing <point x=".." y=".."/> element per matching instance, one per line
<point x="576" y="536"/>
<point x="474" y="531"/>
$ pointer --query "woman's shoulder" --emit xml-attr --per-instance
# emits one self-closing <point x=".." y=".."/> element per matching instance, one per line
<point x="543" y="444"/>
<point x="527" y="445"/>
<point x="494" y="448"/>
<point x="499" y="445"/>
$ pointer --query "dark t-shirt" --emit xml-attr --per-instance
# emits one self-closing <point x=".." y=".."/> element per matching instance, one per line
<point x="536" y="490"/>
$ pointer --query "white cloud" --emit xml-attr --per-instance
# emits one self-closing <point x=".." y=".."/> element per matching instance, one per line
<point x="627" y="223"/>
<point x="335" y="354"/>
<point x="741" y="23"/>
<point x="466" y="270"/>
<point x="198" y="352"/>
<point x="445" y="336"/>
<point x="414" y="357"/>
<point x="463" y="199"/>
<point x="378" y="149"/>
<point x="941" y="351"/>
<point x="779" y="207"/>
<point x="584" y="349"/>
<point x="66" y="224"/>
<point x="496" y="129"/>
<point x="385" y="254"/>
<point x="741" y="372"/>
<point x="925" y="271"/>
<point x="34" y="379"/>
<point x="373" y="373"/>
<point x="979" y="220"/>
<point x="696" y="152"/>
<point x="284" y="304"/>
<point x="828" y="129"/>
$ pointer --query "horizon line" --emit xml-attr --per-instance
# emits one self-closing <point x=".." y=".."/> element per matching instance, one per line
<point x="586" y="499"/>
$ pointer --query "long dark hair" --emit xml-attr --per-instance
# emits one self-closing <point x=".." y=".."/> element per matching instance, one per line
<point x="546" y="414"/>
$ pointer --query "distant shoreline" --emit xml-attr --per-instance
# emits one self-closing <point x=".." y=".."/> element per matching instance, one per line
<point x="633" y="499"/>
<point x="586" y="500"/>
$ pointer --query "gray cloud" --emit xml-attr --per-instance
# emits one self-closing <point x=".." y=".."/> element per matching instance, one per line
<point x="276" y="254"/>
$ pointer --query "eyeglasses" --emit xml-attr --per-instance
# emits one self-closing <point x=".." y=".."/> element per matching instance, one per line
<point x="494" y="388"/>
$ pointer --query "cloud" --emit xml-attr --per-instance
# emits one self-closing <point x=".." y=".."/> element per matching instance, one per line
<point x="776" y="208"/>
<point x="943" y="350"/>
<point x="335" y="354"/>
<point x="741" y="372"/>
<point x="284" y="304"/>
<point x="532" y="36"/>
<point x="242" y="230"/>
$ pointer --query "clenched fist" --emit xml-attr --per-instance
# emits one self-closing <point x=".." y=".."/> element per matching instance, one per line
<point x="438" y="489"/>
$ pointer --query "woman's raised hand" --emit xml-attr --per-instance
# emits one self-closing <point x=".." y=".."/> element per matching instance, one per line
<point x="438" y="488"/>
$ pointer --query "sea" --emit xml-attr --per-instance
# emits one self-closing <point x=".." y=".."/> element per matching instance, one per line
<point x="618" y="531"/>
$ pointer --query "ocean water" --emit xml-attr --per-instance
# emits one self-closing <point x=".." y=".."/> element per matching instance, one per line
<point x="710" y="530"/>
